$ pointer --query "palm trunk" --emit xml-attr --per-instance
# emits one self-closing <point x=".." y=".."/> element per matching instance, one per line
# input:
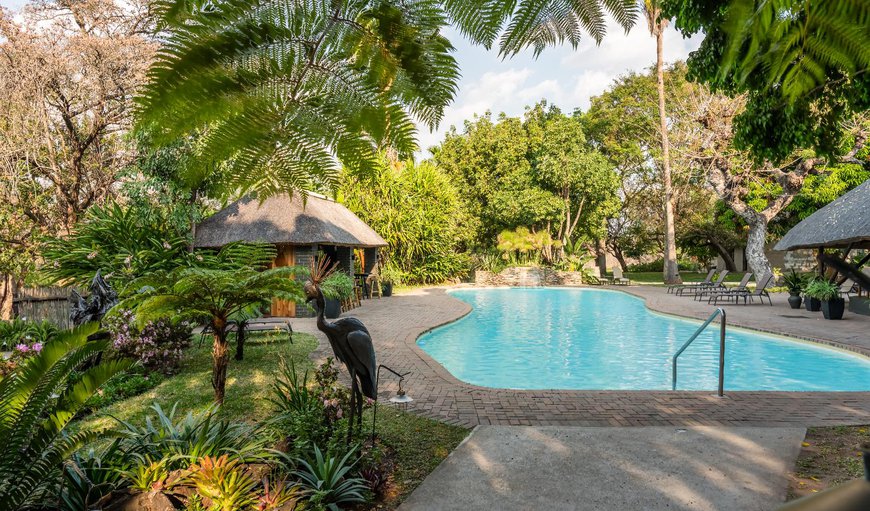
<point x="671" y="270"/>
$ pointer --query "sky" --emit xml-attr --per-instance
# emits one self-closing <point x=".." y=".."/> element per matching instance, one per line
<point x="563" y="76"/>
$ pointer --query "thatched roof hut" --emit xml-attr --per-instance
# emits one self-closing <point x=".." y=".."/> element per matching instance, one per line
<point x="300" y="229"/>
<point x="283" y="219"/>
<point x="842" y="223"/>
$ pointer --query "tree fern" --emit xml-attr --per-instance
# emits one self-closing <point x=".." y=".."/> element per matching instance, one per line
<point x="288" y="89"/>
<point x="37" y="403"/>
<point x="797" y="44"/>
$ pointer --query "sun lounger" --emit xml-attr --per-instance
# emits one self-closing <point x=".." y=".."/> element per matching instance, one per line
<point x="741" y="286"/>
<point x="618" y="278"/>
<point x="748" y="297"/>
<point x="707" y="281"/>
<point x="718" y="284"/>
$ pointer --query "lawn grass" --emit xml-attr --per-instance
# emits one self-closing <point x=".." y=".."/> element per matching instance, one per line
<point x="829" y="457"/>
<point x="419" y="444"/>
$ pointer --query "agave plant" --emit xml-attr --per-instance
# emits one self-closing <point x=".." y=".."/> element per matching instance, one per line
<point x="37" y="403"/>
<point x="225" y="482"/>
<point x="325" y="481"/>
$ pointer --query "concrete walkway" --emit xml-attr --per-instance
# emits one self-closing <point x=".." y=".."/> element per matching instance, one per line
<point x="602" y="469"/>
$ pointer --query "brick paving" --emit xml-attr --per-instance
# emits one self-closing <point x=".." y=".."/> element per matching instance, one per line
<point x="397" y="322"/>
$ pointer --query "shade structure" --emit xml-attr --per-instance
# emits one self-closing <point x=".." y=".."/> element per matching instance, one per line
<point x="842" y="223"/>
<point x="286" y="219"/>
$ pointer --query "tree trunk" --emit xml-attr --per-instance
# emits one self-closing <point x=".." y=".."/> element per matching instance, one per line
<point x="671" y="270"/>
<point x="240" y="340"/>
<point x="726" y="256"/>
<point x="621" y="258"/>
<point x="220" y="358"/>
<point x="755" y="256"/>
<point x="7" y="293"/>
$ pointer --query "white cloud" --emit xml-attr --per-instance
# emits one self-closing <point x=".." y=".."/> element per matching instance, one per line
<point x="563" y="76"/>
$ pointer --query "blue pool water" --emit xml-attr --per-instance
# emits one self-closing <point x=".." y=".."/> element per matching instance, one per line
<point x="557" y="338"/>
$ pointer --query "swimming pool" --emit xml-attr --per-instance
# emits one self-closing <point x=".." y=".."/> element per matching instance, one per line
<point x="562" y="338"/>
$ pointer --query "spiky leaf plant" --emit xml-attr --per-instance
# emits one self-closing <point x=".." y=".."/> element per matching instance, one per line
<point x="37" y="403"/>
<point x="283" y="90"/>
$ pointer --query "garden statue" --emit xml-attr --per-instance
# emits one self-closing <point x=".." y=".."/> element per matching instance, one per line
<point x="351" y="343"/>
<point x="101" y="298"/>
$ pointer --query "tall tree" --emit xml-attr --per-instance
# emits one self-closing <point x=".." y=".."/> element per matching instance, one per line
<point x="758" y="192"/>
<point x="657" y="25"/>
<point x="69" y="71"/>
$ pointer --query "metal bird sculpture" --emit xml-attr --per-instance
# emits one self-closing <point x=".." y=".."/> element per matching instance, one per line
<point x="351" y="343"/>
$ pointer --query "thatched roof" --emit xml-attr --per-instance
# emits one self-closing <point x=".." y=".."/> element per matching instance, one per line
<point x="285" y="219"/>
<point x="843" y="222"/>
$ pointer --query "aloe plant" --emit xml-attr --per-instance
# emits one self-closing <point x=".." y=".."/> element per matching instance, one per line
<point x="37" y="403"/>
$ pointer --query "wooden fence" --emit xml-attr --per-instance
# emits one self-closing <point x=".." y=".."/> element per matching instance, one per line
<point x="43" y="303"/>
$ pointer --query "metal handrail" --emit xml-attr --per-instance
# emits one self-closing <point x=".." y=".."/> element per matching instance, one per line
<point x="718" y="312"/>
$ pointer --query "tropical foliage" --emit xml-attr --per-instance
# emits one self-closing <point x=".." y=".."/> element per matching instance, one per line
<point x="225" y="284"/>
<point x="124" y="243"/>
<point x="282" y="89"/>
<point x="37" y="403"/>
<point x="418" y="211"/>
<point x="802" y="63"/>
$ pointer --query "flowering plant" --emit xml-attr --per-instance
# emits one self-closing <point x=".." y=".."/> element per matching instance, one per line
<point x="159" y="345"/>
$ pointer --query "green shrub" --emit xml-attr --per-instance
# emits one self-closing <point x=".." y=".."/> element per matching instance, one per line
<point x="131" y="383"/>
<point x="659" y="265"/>
<point x="326" y="483"/>
<point x="19" y="331"/>
<point x="822" y="289"/>
<point x="37" y="403"/>
<point x="338" y="286"/>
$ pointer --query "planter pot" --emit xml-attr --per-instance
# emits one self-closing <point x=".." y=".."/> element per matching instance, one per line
<point x="795" y="301"/>
<point x="332" y="309"/>
<point x="386" y="289"/>
<point x="833" y="309"/>
<point x="813" y="304"/>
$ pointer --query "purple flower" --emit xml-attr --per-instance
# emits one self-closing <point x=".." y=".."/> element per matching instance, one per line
<point x="23" y="348"/>
<point x="37" y="347"/>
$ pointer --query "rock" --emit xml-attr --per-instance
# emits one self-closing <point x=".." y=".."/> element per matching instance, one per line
<point x="147" y="501"/>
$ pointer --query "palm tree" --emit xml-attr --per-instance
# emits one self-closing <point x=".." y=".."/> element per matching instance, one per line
<point x="37" y="403"/>
<point x="285" y="93"/>
<point x="215" y="293"/>
<point x="657" y="26"/>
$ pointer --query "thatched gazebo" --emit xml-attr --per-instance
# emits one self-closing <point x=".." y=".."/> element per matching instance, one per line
<point x="843" y="224"/>
<point x="299" y="228"/>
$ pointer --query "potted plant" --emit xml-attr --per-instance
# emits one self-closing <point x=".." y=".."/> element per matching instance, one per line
<point x="389" y="275"/>
<point x="811" y="303"/>
<point x="336" y="287"/>
<point x="794" y="283"/>
<point x="832" y="304"/>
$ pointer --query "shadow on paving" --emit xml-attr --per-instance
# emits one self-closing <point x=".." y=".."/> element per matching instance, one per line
<point x="651" y="468"/>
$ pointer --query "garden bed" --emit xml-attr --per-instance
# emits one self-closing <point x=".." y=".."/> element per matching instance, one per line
<point x="415" y="445"/>
<point x="829" y="457"/>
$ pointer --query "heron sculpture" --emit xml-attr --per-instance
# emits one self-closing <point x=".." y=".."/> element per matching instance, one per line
<point x="351" y="343"/>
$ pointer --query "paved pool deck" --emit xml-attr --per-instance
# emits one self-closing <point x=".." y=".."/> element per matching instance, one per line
<point x="397" y="322"/>
<point x="602" y="469"/>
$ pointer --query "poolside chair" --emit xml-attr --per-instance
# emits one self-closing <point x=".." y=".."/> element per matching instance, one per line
<point x="618" y="277"/>
<point x="760" y="292"/>
<point x="595" y="277"/>
<point x="741" y="286"/>
<point x="707" y="281"/>
<point x="718" y="284"/>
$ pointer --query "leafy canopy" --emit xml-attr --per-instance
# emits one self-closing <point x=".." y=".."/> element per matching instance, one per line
<point x="286" y="92"/>
<point x="802" y="63"/>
